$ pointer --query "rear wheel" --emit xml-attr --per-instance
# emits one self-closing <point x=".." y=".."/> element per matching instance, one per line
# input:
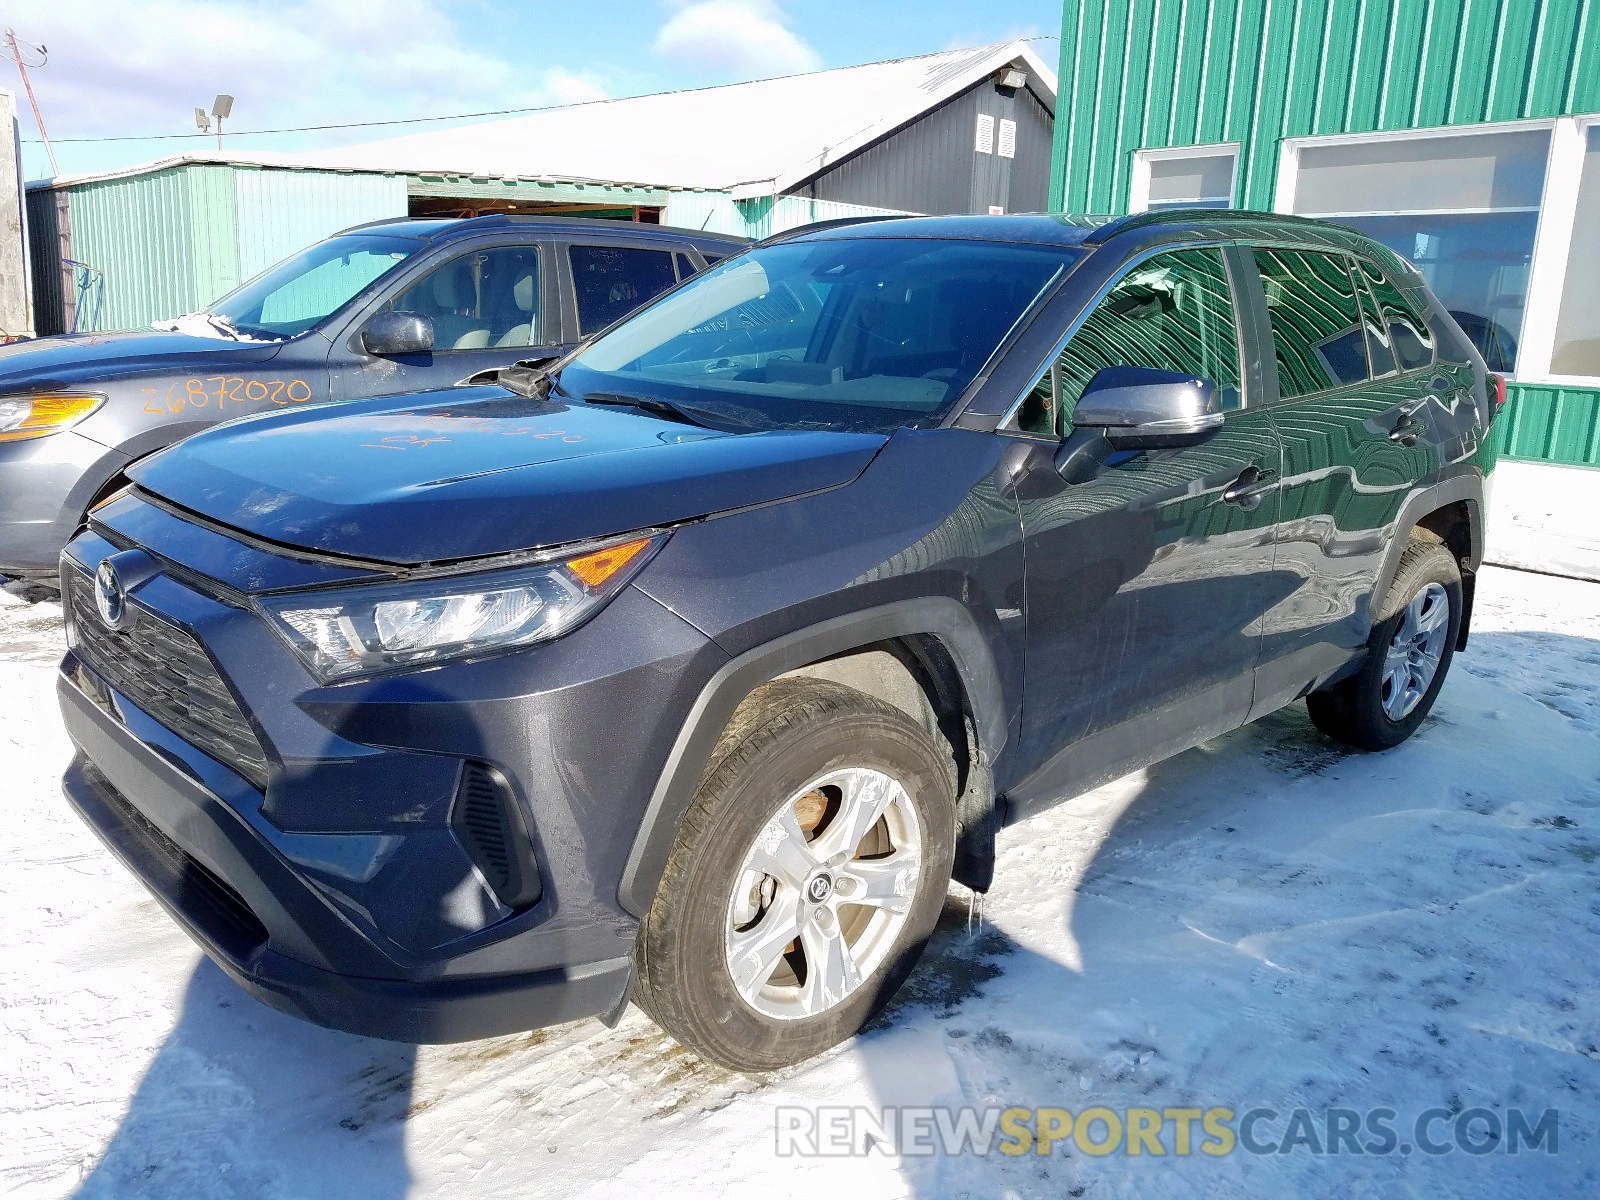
<point x="1408" y="654"/>
<point x="808" y="874"/>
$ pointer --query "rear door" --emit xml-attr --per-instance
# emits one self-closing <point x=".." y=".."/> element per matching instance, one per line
<point x="491" y="305"/>
<point x="607" y="279"/>
<point x="1146" y="585"/>
<point x="1353" y="381"/>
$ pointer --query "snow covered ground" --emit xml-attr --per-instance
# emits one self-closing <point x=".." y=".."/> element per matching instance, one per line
<point x="1266" y="921"/>
<point x="1542" y="518"/>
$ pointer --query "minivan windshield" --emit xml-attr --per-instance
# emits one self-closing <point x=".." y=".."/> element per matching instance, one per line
<point x="306" y="288"/>
<point x="868" y="333"/>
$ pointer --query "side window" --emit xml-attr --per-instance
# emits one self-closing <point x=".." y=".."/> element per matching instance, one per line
<point x="685" y="265"/>
<point x="1408" y="332"/>
<point x="1173" y="312"/>
<point x="1316" y="323"/>
<point x="612" y="281"/>
<point x="1380" y="353"/>
<point x="487" y="298"/>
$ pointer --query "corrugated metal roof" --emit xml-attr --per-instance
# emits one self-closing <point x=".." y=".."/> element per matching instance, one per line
<point x="759" y="138"/>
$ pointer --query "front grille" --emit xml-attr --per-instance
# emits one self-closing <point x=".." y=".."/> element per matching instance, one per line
<point x="168" y="674"/>
<point x="487" y="822"/>
<point x="214" y="908"/>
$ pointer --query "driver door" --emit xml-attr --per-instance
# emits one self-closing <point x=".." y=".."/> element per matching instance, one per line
<point x="1146" y="585"/>
<point x="491" y="306"/>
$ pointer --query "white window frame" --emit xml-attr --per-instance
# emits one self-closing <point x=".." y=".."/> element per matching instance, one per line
<point x="1139" y="180"/>
<point x="1552" y="240"/>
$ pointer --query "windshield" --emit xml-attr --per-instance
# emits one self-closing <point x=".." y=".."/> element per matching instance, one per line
<point x="863" y="334"/>
<point x="302" y="290"/>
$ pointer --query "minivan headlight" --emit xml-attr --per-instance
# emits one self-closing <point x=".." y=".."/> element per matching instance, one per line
<point x="23" y="417"/>
<point x="371" y="629"/>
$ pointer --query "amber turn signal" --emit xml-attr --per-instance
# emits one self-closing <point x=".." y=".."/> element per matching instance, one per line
<point x="600" y="565"/>
<point x="23" y="417"/>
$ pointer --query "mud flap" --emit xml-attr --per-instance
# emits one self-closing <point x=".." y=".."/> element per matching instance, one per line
<point x="979" y="815"/>
<point x="612" y="1016"/>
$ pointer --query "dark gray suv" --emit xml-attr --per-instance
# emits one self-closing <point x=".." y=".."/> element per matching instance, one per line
<point x="394" y="306"/>
<point x="692" y="668"/>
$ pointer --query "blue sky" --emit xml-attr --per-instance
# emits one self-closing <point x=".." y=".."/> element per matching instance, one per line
<point x="134" y="67"/>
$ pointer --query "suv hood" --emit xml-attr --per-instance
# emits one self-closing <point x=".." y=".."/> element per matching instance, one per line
<point x="80" y="359"/>
<point x="475" y="472"/>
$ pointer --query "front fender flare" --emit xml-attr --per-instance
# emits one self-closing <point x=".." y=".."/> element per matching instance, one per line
<point x="937" y="616"/>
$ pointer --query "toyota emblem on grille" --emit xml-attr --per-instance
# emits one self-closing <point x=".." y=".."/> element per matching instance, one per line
<point x="109" y="599"/>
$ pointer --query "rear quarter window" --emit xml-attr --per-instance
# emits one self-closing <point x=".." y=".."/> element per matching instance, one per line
<point x="1409" y="335"/>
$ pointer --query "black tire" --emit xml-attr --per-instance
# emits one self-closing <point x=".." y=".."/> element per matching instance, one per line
<point x="1352" y="710"/>
<point x="787" y="733"/>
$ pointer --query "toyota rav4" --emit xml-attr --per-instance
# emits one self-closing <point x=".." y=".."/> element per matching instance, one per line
<point x="692" y="668"/>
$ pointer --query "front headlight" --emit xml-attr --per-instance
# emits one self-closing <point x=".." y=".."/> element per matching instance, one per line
<point x="23" y="417"/>
<point x="367" y="630"/>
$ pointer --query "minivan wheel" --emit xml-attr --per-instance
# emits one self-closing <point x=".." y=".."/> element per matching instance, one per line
<point x="808" y="874"/>
<point x="1408" y="654"/>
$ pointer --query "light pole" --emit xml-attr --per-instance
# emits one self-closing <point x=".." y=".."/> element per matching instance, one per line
<point x="221" y="107"/>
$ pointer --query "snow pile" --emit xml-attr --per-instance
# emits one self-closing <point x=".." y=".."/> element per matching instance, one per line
<point x="1266" y="921"/>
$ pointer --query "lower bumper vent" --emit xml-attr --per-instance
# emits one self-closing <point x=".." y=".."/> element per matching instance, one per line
<point x="490" y="826"/>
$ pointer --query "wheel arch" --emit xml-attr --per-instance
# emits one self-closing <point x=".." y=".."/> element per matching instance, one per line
<point x="1452" y="510"/>
<point x="926" y="656"/>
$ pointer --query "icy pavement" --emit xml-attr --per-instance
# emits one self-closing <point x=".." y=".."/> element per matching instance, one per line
<point x="1266" y="921"/>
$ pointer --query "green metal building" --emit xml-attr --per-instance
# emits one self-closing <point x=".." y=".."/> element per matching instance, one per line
<point x="1463" y="133"/>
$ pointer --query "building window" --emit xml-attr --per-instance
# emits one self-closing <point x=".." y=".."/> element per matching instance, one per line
<point x="1463" y="206"/>
<point x="1187" y="177"/>
<point x="1577" y="342"/>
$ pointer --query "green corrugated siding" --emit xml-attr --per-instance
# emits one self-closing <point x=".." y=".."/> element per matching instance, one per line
<point x="1551" y="423"/>
<point x="171" y="241"/>
<point x="1146" y="74"/>
<point x="140" y="233"/>
<point x="1138" y="74"/>
<point x="280" y="212"/>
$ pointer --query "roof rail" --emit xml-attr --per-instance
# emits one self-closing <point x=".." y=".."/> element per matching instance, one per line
<point x="834" y="223"/>
<point x="1117" y="225"/>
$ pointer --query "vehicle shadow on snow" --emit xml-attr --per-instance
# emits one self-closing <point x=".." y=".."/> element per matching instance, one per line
<point x="1261" y="920"/>
<point x="242" y="1101"/>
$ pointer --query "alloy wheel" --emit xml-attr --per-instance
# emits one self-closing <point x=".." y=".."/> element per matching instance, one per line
<point x="1415" y="651"/>
<point x="823" y="893"/>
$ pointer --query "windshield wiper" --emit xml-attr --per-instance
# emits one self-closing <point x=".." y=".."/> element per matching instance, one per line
<point x="656" y="406"/>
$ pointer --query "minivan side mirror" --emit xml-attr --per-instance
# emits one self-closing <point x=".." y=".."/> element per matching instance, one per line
<point x="1139" y="408"/>
<point x="392" y="334"/>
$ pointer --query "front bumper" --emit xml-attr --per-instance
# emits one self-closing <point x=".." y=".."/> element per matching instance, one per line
<point x="227" y="929"/>
<point x="46" y="484"/>
<point x="341" y="891"/>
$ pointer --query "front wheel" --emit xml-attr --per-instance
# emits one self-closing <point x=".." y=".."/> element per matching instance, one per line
<point x="1408" y="653"/>
<point x="807" y="876"/>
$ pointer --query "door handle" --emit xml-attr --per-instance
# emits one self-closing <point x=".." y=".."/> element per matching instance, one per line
<point x="1247" y="490"/>
<point x="1406" y="431"/>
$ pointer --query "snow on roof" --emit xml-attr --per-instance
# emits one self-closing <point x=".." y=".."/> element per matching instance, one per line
<point x="764" y="137"/>
<point x="761" y="137"/>
<point x="754" y="139"/>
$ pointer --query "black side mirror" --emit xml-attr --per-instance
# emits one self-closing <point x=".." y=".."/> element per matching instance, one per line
<point x="391" y="334"/>
<point x="1137" y="408"/>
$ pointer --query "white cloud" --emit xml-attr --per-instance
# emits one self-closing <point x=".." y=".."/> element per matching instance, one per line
<point x="119" y="68"/>
<point x="734" y="39"/>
